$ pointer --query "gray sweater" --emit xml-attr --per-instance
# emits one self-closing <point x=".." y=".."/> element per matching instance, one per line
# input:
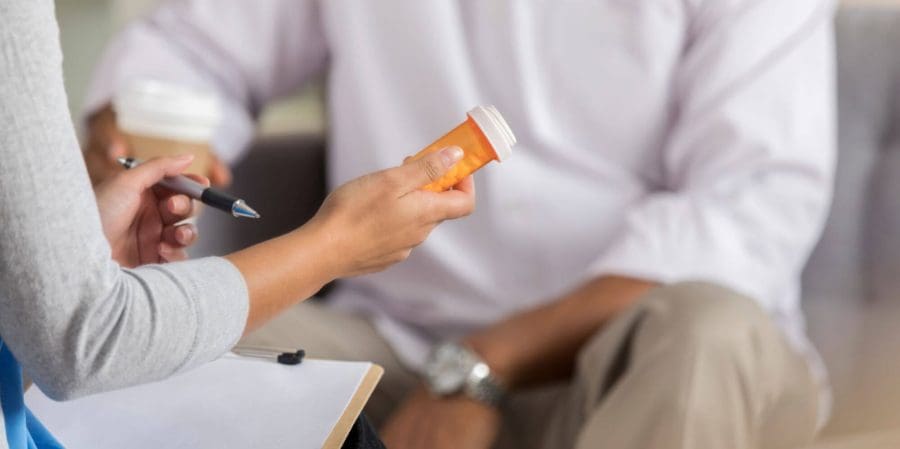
<point x="77" y="322"/>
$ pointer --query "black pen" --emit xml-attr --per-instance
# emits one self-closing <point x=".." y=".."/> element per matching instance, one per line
<point x="197" y="191"/>
<point x="289" y="357"/>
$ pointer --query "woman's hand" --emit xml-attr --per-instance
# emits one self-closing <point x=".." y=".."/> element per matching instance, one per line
<point x="375" y="221"/>
<point x="364" y="226"/>
<point x="139" y="219"/>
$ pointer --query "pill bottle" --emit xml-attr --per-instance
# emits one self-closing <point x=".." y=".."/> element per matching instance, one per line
<point x="484" y="137"/>
<point x="162" y="119"/>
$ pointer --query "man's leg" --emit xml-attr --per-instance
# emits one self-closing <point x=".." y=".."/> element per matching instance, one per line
<point x="690" y="366"/>
<point x="333" y="334"/>
<point x="525" y="417"/>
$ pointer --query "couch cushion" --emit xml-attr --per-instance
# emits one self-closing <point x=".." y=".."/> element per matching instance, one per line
<point x="853" y="272"/>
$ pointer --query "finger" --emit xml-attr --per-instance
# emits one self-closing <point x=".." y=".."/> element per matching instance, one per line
<point x="150" y="172"/>
<point x="149" y="230"/>
<point x="170" y="254"/>
<point x="175" y="208"/>
<point x="426" y="170"/>
<point x="457" y="204"/>
<point x="466" y="185"/>
<point x="163" y="192"/>
<point x="219" y="173"/>
<point x="201" y="179"/>
<point x="448" y="205"/>
<point x="180" y="236"/>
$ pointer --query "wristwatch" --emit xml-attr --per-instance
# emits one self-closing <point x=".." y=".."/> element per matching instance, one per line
<point x="453" y="368"/>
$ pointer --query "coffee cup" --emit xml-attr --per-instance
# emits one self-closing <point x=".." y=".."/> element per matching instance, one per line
<point x="162" y="119"/>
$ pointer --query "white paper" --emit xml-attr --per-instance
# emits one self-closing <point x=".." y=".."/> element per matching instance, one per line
<point x="229" y="403"/>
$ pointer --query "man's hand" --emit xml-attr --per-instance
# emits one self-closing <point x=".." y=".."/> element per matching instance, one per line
<point x="139" y="220"/>
<point x="106" y="143"/>
<point x="425" y="421"/>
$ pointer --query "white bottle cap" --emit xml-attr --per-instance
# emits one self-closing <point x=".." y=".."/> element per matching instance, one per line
<point x="495" y="128"/>
<point x="157" y="109"/>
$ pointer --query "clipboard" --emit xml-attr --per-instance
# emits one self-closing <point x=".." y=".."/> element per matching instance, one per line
<point x="229" y="403"/>
<point x="342" y="427"/>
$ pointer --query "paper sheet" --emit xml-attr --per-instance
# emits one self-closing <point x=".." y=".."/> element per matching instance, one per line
<point x="229" y="403"/>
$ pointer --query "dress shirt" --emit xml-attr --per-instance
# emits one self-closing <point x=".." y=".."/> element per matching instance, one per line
<point x="666" y="140"/>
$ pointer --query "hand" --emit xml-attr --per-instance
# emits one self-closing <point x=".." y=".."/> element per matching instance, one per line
<point x="375" y="221"/>
<point x="425" y="421"/>
<point x="106" y="143"/>
<point x="139" y="219"/>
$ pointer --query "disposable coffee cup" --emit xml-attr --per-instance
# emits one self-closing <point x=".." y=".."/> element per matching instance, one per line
<point x="161" y="119"/>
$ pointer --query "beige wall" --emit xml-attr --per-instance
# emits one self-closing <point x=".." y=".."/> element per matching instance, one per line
<point x="86" y="25"/>
<point x="871" y="2"/>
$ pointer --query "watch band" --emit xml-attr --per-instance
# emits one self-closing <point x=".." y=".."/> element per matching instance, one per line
<point x="482" y="386"/>
<point x="475" y="378"/>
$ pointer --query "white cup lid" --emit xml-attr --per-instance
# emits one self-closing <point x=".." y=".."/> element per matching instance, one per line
<point x="155" y="108"/>
<point x="495" y="128"/>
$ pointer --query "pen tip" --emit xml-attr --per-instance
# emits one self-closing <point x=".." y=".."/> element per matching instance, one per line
<point x="241" y="209"/>
<point x="127" y="162"/>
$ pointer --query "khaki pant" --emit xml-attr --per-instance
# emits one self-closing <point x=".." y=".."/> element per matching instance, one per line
<point x="689" y="366"/>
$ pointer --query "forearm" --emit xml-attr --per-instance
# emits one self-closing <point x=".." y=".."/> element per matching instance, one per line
<point x="283" y="271"/>
<point x="540" y="346"/>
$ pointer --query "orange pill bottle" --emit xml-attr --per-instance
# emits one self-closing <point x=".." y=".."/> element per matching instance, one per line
<point x="484" y="137"/>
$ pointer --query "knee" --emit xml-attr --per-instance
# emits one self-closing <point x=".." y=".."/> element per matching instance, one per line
<point x="702" y="313"/>
<point x="675" y="326"/>
<point x="687" y="318"/>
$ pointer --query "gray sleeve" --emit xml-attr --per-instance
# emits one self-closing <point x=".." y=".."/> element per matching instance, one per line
<point x="75" y="320"/>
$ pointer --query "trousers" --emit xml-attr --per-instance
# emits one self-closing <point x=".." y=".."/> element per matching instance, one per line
<point x="690" y="365"/>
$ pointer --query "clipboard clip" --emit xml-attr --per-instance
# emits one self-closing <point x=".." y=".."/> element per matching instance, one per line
<point x="283" y="358"/>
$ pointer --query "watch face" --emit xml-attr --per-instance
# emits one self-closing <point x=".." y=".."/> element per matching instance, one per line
<point x="447" y="370"/>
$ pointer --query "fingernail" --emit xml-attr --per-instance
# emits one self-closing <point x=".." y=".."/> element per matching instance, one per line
<point x="179" y="204"/>
<point x="164" y="250"/>
<point x="186" y="235"/>
<point x="451" y="155"/>
<point x="184" y="157"/>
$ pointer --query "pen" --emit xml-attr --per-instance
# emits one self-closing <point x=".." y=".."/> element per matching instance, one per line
<point x="284" y="358"/>
<point x="197" y="191"/>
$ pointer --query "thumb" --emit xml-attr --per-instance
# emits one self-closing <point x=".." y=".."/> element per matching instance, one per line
<point x="151" y="172"/>
<point x="430" y="168"/>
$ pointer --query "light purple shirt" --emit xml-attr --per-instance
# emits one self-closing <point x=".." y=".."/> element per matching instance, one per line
<point x="662" y="139"/>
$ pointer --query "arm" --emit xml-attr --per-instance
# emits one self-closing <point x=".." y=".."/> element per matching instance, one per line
<point x="749" y="164"/>
<point x="553" y="334"/>
<point x="249" y="52"/>
<point x="78" y="322"/>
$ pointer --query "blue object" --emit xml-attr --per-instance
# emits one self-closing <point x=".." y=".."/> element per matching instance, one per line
<point x="23" y="430"/>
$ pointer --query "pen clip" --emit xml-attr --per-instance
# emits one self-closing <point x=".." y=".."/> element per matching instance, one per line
<point x="288" y="357"/>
